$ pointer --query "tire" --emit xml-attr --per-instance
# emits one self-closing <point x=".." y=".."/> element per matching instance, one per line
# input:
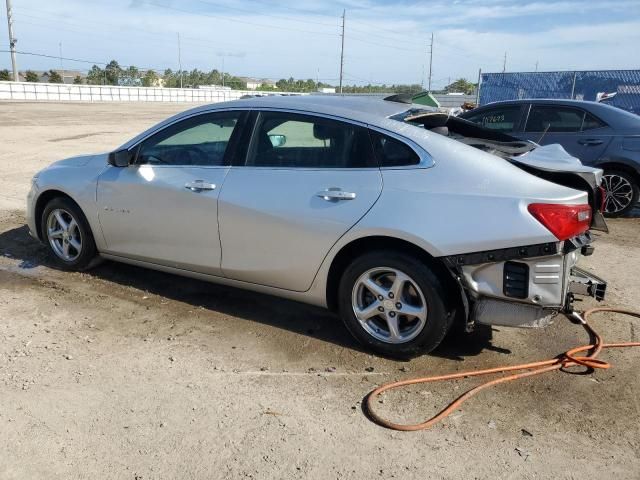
<point x="72" y="248"/>
<point x="414" y="333"/>
<point x="621" y="193"/>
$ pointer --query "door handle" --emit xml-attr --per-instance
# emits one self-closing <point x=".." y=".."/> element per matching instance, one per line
<point x="199" y="185"/>
<point x="590" y="142"/>
<point x="334" y="194"/>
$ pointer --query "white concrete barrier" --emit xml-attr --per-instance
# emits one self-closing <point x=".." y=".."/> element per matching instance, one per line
<point x="57" y="92"/>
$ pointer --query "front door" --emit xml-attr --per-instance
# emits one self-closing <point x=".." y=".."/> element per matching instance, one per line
<point x="164" y="207"/>
<point x="306" y="181"/>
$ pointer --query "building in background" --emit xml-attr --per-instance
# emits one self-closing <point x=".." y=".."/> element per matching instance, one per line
<point x="256" y="83"/>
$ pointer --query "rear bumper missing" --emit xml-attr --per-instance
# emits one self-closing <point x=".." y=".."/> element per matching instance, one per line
<point x="528" y="290"/>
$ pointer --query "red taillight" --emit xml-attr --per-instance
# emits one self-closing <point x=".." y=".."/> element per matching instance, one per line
<point x="564" y="221"/>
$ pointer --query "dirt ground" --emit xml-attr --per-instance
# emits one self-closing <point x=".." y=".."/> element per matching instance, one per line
<point x="128" y="373"/>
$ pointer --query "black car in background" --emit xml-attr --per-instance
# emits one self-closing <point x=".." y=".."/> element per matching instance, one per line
<point x="599" y="135"/>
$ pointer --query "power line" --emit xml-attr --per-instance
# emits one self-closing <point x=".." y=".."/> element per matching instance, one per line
<point x="262" y="25"/>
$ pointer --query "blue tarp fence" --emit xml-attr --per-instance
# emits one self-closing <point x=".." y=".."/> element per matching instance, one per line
<point x="579" y="85"/>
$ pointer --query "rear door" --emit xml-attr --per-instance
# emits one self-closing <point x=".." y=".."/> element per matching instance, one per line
<point x="305" y="182"/>
<point x="580" y="133"/>
<point x="163" y="208"/>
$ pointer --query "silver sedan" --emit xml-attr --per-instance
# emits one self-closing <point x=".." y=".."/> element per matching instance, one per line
<point x="405" y="221"/>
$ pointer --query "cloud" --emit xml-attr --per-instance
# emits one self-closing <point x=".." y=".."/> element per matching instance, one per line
<point x="385" y="41"/>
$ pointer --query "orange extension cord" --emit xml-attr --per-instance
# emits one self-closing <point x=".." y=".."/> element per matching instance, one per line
<point x="566" y="360"/>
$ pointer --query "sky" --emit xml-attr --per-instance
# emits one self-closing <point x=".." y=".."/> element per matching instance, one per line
<point x="385" y="41"/>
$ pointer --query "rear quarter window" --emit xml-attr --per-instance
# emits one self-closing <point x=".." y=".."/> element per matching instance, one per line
<point x="391" y="152"/>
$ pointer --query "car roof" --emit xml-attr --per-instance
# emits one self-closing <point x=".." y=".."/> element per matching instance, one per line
<point x="373" y="111"/>
<point x="366" y="109"/>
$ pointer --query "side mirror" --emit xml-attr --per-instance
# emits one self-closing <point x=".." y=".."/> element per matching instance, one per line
<point x="278" y="140"/>
<point x="121" y="158"/>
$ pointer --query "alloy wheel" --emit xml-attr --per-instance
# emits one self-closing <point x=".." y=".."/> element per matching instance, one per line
<point x="64" y="235"/>
<point x="389" y="305"/>
<point x="618" y="193"/>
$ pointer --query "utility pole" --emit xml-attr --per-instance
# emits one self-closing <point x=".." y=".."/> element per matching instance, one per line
<point x="179" y="60"/>
<point x="430" y="61"/>
<point x="536" y="65"/>
<point x="12" y="42"/>
<point x="504" y="63"/>
<point x="478" y="87"/>
<point x="61" y="64"/>
<point x="344" y="14"/>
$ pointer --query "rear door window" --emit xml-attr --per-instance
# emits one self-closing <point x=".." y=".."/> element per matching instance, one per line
<point x="554" y="119"/>
<point x="291" y="140"/>
<point x="502" y="119"/>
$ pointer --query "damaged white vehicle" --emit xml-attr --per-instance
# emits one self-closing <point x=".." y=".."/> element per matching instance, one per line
<point x="404" y="221"/>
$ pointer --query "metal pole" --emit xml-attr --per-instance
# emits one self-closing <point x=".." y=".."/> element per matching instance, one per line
<point x="61" y="64"/>
<point x="344" y="13"/>
<point x="478" y="87"/>
<point x="573" y="86"/>
<point x="504" y="64"/>
<point x="430" y="61"/>
<point x="179" y="60"/>
<point x="12" y="42"/>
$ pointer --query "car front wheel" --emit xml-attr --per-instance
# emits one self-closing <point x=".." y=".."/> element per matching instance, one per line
<point x="67" y="234"/>
<point x="393" y="304"/>
<point x="621" y="193"/>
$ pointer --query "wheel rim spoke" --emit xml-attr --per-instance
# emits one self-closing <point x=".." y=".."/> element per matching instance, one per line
<point x="369" y="311"/>
<point x="394" y="330"/>
<point x="414" y="311"/>
<point x="375" y="288"/>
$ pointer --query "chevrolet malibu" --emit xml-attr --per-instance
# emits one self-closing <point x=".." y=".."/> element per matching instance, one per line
<point x="405" y="221"/>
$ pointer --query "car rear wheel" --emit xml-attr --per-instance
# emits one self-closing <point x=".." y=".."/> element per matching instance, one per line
<point x="393" y="304"/>
<point x="621" y="193"/>
<point x="67" y="234"/>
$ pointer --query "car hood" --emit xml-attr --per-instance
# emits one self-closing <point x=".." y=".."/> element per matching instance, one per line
<point x="81" y="161"/>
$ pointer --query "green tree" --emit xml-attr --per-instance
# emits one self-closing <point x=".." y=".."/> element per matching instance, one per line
<point x="96" y="76"/>
<point x="130" y="76"/>
<point x="54" y="77"/>
<point x="31" y="76"/>
<point x="77" y="80"/>
<point x="169" y="78"/>
<point x="461" y="85"/>
<point x="150" y="78"/>
<point x="113" y="72"/>
<point x="4" y="75"/>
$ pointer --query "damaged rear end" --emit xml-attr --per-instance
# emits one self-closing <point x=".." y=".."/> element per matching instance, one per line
<point x="527" y="286"/>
